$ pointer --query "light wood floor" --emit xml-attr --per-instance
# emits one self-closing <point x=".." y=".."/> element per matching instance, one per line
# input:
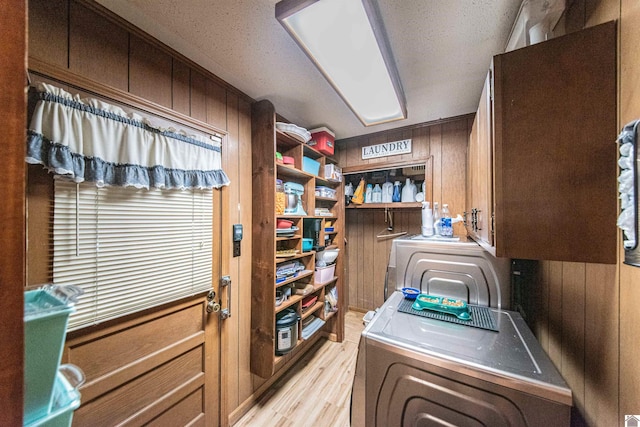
<point x="316" y="391"/>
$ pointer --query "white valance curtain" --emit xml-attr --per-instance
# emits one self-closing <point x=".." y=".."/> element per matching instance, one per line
<point x="90" y="140"/>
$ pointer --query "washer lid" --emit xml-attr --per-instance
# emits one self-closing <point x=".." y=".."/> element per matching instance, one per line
<point x="512" y="356"/>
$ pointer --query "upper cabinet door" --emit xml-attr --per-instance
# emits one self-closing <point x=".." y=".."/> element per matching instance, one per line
<point x="554" y="153"/>
<point x="480" y="171"/>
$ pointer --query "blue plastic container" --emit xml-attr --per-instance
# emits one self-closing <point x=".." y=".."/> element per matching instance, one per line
<point x="45" y="327"/>
<point x="311" y="166"/>
<point x="66" y="399"/>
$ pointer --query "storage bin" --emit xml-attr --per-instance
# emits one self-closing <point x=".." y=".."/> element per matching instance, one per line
<point x="66" y="399"/>
<point x="326" y="192"/>
<point x="322" y="139"/>
<point x="311" y="166"/>
<point x="45" y="328"/>
<point x="307" y="244"/>
<point x="333" y="172"/>
<point x="324" y="274"/>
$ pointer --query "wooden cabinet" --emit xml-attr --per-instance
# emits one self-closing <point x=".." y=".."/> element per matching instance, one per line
<point x="545" y="132"/>
<point x="479" y="215"/>
<point x="273" y="250"/>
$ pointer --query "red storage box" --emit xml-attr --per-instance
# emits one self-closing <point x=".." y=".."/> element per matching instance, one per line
<point x="322" y="139"/>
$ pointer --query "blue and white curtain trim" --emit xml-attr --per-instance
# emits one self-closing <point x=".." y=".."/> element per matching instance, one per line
<point x="90" y="140"/>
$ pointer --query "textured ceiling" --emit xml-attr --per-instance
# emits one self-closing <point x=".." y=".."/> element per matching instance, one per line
<point x="442" y="49"/>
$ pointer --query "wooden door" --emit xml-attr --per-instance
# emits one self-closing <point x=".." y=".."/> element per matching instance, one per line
<point x="484" y="185"/>
<point x="472" y="179"/>
<point x="555" y="155"/>
<point x="13" y="111"/>
<point x="480" y="173"/>
<point x="160" y="367"/>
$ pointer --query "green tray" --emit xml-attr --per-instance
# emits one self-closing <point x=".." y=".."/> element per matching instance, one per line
<point x="457" y="307"/>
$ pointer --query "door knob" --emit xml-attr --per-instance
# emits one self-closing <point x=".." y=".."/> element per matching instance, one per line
<point x="213" y="307"/>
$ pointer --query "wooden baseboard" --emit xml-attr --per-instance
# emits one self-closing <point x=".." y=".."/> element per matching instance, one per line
<point x="358" y="309"/>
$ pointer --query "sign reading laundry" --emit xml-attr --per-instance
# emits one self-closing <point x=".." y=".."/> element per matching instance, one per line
<point x="386" y="149"/>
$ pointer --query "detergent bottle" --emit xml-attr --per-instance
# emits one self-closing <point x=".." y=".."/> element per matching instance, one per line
<point x="396" y="192"/>
<point x="377" y="194"/>
<point x="387" y="192"/>
<point x="368" y="194"/>
<point x="408" y="192"/>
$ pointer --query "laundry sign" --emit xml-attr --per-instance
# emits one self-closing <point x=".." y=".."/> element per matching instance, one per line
<point x="386" y="149"/>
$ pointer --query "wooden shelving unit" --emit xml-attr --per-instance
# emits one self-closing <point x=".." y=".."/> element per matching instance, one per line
<point x="267" y="140"/>
<point x="398" y="205"/>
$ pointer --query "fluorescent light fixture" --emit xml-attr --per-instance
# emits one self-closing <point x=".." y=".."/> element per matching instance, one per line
<point x="345" y="39"/>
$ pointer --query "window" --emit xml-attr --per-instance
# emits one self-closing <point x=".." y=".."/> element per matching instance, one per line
<point x="130" y="249"/>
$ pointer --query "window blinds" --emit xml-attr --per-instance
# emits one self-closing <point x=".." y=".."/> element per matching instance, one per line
<point x="130" y="249"/>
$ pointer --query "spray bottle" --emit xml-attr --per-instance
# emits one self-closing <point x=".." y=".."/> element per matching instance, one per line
<point x="437" y="225"/>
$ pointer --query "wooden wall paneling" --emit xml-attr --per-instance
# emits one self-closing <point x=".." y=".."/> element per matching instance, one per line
<point x="180" y="87"/>
<point x="348" y="151"/>
<point x="629" y="103"/>
<point x="212" y="403"/>
<point x="573" y="329"/>
<point x="435" y="148"/>
<point x="230" y="361"/>
<point x="243" y="293"/>
<point x="351" y="282"/>
<point x="216" y="104"/>
<point x="353" y="251"/>
<point x="13" y="102"/>
<point x="150" y="72"/>
<point x="39" y="214"/>
<point x="222" y="111"/>
<point x="380" y="257"/>
<point x="599" y="11"/>
<point x="554" y="303"/>
<point x="454" y="165"/>
<point x="358" y="267"/>
<point x="540" y="321"/>
<point x="575" y="16"/>
<point x="198" y="96"/>
<point x="98" y="49"/>
<point x="369" y="242"/>
<point x="49" y="42"/>
<point x="601" y="347"/>
<point x="420" y="144"/>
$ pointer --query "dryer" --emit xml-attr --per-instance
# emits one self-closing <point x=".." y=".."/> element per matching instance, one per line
<point x="417" y="371"/>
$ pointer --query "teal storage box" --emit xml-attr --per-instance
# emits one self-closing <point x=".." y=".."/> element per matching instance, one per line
<point x="66" y="399"/>
<point x="311" y="166"/>
<point x="45" y="329"/>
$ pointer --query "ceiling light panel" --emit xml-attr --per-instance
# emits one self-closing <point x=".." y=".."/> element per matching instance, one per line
<point x="345" y="39"/>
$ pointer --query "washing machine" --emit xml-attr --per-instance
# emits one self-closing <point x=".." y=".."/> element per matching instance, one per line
<point x="423" y="368"/>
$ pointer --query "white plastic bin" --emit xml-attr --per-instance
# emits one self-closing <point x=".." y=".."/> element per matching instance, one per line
<point x="324" y="274"/>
